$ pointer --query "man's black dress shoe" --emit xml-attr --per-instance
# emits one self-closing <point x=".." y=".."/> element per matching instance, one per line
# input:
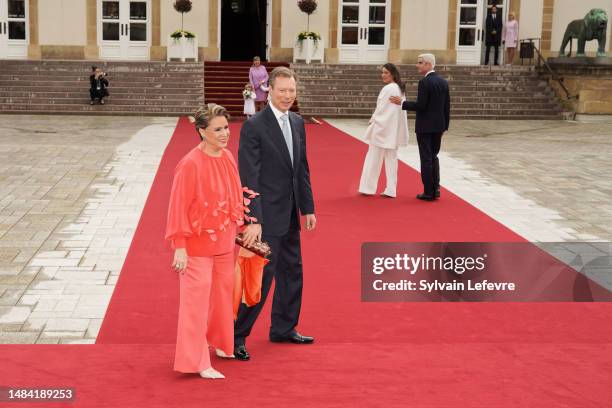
<point x="425" y="197"/>
<point x="241" y="353"/>
<point x="437" y="194"/>
<point x="295" y="338"/>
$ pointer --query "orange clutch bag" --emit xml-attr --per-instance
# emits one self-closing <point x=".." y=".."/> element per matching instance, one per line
<point x="260" y="248"/>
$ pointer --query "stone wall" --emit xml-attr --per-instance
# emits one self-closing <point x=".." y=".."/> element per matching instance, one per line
<point x="592" y="85"/>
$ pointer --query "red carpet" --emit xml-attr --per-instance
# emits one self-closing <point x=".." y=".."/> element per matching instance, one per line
<point x="366" y="354"/>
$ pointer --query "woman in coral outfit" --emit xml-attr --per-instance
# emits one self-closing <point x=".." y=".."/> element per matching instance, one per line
<point x="206" y="208"/>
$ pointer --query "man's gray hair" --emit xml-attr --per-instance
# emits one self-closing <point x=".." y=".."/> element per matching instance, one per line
<point x="280" y="72"/>
<point x="429" y="58"/>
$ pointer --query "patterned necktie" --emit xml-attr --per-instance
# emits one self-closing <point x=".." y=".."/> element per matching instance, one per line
<point x="287" y="134"/>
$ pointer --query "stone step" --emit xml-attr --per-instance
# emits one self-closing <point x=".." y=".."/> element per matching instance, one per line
<point x="99" y="109"/>
<point x="113" y="90"/>
<point x="131" y="76"/>
<point x="376" y="81"/>
<point x="101" y="63"/>
<point x="114" y="84"/>
<point x="524" y="97"/>
<point x="116" y="94"/>
<point x="305" y="105"/>
<point x="411" y="71"/>
<point x="110" y="100"/>
<point x="454" y="118"/>
<point x="439" y="67"/>
<point x="373" y="91"/>
<point x="367" y="111"/>
<point x="136" y="88"/>
<point x="86" y="71"/>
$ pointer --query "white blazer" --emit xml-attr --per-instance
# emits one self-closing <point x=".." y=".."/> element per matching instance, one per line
<point x="389" y="124"/>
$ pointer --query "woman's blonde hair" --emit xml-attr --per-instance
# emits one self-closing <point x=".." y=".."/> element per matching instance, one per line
<point x="202" y="117"/>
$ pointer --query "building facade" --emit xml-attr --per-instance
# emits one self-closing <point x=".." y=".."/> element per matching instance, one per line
<point x="353" y="31"/>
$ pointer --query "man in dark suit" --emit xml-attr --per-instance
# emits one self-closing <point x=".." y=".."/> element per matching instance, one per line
<point x="98" y="86"/>
<point x="494" y="27"/>
<point x="432" y="119"/>
<point x="272" y="161"/>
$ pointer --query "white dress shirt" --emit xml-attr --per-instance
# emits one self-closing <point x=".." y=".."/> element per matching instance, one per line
<point x="278" y="115"/>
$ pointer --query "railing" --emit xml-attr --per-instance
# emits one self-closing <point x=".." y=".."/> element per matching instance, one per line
<point x="527" y="49"/>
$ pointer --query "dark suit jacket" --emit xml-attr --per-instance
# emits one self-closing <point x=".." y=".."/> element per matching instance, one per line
<point x="432" y="105"/>
<point x="496" y="25"/>
<point x="103" y="84"/>
<point x="265" y="167"/>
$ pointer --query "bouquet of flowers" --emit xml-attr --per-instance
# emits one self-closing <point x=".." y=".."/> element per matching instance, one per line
<point x="248" y="94"/>
<point x="308" y="35"/>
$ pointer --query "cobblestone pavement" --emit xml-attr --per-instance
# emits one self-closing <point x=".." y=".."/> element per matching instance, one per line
<point x="72" y="189"/>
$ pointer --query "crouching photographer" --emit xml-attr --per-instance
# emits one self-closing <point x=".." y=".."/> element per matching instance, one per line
<point x="99" y="85"/>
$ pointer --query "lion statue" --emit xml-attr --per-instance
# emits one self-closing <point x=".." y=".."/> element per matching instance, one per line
<point x="592" y="27"/>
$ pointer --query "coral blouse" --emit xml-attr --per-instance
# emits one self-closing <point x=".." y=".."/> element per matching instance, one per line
<point x="206" y="204"/>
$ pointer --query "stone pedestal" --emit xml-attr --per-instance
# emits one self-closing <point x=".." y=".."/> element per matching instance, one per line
<point x="308" y="50"/>
<point x="588" y="78"/>
<point x="580" y="61"/>
<point x="182" y="49"/>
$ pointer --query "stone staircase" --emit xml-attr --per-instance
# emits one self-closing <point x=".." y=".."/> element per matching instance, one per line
<point x="224" y="82"/>
<point x="136" y="88"/>
<point x="350" y="91"/>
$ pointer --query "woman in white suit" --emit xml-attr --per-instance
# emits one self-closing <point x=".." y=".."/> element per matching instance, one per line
<point x="387" y="131"/>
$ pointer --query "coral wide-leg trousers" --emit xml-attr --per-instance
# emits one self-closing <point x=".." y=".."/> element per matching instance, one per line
<point x="205" y="311"/>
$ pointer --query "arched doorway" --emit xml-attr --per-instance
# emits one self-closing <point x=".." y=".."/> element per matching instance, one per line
<point x="243" y="29"/>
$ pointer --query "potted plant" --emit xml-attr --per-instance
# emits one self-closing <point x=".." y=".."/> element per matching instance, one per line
<point x="182" y="44"/>
<point x="308" y="43"/>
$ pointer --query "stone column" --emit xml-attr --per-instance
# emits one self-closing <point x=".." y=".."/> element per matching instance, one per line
<point x="395" y="53"/>
<point x="332" y="54"/>
<point x="158" y="53"/>
<point x="91" y="48"/>
<point x="33" y="46"/>
<point x="451" y="37"/>
<point x="277" y="53"/>
<point x="212" y="52"/>
<point x="547" y="21"/>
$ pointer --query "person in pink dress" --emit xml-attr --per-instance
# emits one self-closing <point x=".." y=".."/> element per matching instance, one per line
<point x="206" y="208"/>
<point x="258" y="76"/>
<point x="510" y="37"/>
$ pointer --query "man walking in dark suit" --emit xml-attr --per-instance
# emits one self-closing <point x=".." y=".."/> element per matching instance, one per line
<point x="272" y="161"/>
<point x="432" y="119"/>
<point x="494" y="27"/>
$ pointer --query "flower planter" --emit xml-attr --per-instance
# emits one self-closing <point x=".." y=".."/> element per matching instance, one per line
<point x="308" y="50"/>
<point x="182" y="48"/>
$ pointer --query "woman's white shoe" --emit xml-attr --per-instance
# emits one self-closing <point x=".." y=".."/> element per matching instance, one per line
<point x="211" y="373"/>
<point x="221" y="353"/>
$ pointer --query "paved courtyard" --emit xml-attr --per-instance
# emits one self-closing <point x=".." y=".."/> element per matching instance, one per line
<point x="72" y="189"/>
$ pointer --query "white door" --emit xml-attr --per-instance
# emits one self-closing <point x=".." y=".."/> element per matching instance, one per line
<point x="470" y="34"/>
<point x="14" y="30"/>
<point x="364" y="33"/>
<point x="124" y="29"/>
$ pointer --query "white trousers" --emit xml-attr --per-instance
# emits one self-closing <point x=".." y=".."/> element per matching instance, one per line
<point x="372" y="167"/>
